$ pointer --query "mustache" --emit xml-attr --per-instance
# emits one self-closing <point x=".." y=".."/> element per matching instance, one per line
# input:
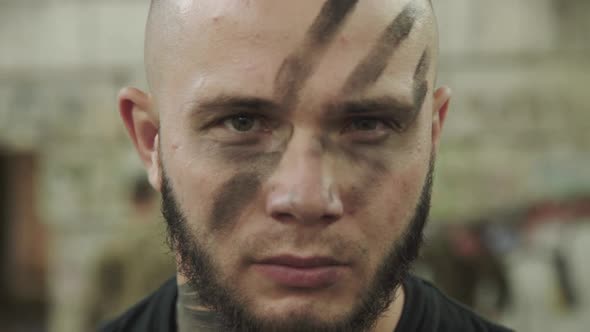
<point x="258" y="246"/>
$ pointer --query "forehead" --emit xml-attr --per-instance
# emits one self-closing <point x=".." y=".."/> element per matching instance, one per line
<point x="238" y="47"/>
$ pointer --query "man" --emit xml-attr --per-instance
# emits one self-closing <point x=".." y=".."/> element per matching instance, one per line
<point x="293" y="143"/>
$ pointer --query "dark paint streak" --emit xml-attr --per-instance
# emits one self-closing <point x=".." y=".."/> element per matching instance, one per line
<point x="249" y="159"/>
<point x="358" y="197"/>
<point x="420" y="89"/>
<point x="372" y="166"/>
<point x="375" y="161"/>
<point x="370" y="69"/>
<point x="233" y="197"/>
<point x="300" y="65"/>
<point x="420" y="81"/>
<point x="241" y="189"/>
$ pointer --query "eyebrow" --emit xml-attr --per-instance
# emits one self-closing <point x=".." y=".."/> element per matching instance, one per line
<point x="367" y="105"/>
<point x="234" y="103"/>
<point x="404" y="112"/>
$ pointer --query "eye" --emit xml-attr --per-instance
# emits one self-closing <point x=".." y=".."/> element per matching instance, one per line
<point x="368" y="124"/>
<point x="365" y="124"/>
<point x="243" y="123"/>
<point x="369" y="129"/>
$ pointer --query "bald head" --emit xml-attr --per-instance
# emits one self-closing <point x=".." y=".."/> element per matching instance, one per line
<point x="303" y="34"/>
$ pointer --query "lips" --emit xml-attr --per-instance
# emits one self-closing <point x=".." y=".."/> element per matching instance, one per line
<point x="301" y="272"/>
<point x="301" y="262"/>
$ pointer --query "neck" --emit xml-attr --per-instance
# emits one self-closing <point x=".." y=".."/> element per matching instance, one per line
<point x="389" y="320"/>
<point x="190" y="315"/>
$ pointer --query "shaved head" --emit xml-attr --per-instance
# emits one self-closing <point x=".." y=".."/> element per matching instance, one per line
<point x="168" y="22"/>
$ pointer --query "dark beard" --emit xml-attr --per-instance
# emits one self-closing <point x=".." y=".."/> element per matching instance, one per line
<point x="197" y="266"/>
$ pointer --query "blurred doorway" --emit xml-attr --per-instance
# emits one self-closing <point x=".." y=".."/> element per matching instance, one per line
<point x="23" y="247"/>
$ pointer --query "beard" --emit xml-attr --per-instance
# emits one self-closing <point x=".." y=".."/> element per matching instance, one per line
<point x="197" y="265"/>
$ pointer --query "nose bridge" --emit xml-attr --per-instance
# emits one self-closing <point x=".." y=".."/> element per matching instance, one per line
<point x="303" y="186"/>
<point x="309" y="166"/>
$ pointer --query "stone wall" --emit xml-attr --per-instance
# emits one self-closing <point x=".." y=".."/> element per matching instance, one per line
<point x="61" y="65"/>
<point x="519" y="127"/>
<point x="518" y="130"/>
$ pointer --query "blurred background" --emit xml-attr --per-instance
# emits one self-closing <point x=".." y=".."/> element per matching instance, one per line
<point x="80" y="233"/>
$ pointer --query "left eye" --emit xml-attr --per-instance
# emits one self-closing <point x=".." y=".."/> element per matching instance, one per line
<point x="368" y="124"/>
<point x="365" y="124"/>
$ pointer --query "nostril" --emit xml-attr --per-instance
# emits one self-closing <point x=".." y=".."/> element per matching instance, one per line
<point x="282" y="216"/>
<point x="329" y="218"/>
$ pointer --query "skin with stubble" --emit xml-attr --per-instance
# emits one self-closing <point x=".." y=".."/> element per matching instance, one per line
<point x="293" y="143"/>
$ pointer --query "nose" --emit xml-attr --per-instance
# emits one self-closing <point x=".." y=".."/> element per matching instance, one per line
<point x="303" y="187"/>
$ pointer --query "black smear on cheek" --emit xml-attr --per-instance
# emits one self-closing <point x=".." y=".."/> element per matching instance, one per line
<point x="366" y="186"/>
<point x="366" y="171"/>
<point x="357" y="155"/>
<point x="370" y="69"/>
<point x="233" y="197"/>
<point x="242" y="189"/>
<point x="300" y="65"/>
<point x="362" y="158"/>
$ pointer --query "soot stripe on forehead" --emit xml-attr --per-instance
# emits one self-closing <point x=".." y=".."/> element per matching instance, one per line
<point x="329" y="20"/>
<point x="420" y="81"/>
<point x="368" y="71"/>
<point x="420" y="88"/>
<point x="299" y="66"/>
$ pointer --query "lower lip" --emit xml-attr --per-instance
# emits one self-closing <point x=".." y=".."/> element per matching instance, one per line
<point x="297" y="277"/>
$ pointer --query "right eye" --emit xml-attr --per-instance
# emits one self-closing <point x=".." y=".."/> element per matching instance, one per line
<point x="244" y="123"/>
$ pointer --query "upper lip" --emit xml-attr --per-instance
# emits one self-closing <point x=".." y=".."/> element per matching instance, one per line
<point x="301" y="262"/>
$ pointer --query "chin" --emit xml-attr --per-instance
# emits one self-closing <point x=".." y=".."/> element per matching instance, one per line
<point x="305" y="308"/>
<point x="300" y="318"/>
<point x="304" y="311"/>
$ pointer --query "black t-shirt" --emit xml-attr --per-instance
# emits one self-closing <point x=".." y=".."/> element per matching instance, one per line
<point x="426" y="309"/>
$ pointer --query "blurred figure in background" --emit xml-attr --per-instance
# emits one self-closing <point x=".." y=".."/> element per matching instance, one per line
<point x="136" y="262"/>
<point x="464" y="266"/>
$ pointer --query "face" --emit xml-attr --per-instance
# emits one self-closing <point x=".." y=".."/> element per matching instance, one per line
<point x="294" y="154"/>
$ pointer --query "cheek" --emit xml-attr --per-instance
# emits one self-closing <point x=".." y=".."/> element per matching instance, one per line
<point x="400" y="198"/>
<point x="193" y="176"/>
<point x="389" y="203"/>
<point x="215" y="185"/>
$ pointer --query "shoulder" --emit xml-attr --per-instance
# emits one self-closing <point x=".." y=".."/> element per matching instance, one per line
<point x="426" y="308"/>
<point x="154" y="313"/>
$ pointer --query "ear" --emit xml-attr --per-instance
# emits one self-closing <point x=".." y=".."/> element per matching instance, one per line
<point x="440" y="107"/>
<point x="142" y="124"/>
